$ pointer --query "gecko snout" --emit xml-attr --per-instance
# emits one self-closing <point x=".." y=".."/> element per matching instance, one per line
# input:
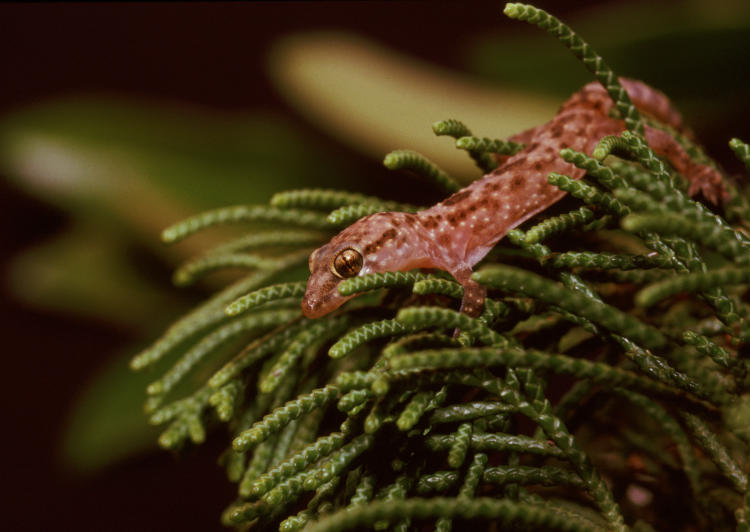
<point x="322" y="296"/>
<point x="312" y="308"/>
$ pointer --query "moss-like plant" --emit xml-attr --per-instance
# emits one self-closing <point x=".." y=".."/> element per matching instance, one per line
<point x="604" y="386"/>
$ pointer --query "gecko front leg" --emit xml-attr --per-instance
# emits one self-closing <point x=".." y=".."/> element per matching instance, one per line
<point x="472" y="302"/>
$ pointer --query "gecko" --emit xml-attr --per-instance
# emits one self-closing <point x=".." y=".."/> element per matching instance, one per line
<point x="458" y="232"/>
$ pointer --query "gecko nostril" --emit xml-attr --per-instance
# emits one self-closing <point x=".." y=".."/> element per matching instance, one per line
<point x="309" y="308"/>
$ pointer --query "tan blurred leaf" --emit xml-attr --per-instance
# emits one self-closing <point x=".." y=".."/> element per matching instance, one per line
<point x="376" y="100"/>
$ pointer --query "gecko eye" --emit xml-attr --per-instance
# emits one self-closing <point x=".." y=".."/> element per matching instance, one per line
<point x="347" y="263"/>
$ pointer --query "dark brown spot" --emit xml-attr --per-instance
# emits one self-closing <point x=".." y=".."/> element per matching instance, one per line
<point x="443" y="239"/>
<point x="452" y="220"/>
<point x="538" y="165"/>
<point x="556" y="131"/>
<point x="390" y="233"/>
<point x="511" y="166"/>
<point x="457" y="197"/>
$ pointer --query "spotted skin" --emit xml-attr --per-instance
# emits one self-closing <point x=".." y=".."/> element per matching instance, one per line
<point x="458" y="232"/>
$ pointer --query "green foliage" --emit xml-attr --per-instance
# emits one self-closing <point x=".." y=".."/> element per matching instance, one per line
<point x="621" y="346"/>
<point x="501" y="147"/>
<point x="478" y="149"/>
<point x="351" y="213"/>
<point x="558" y="224"/>
<point x="411" y="160"/>
<point x="742" y="151"/>
<point x="243" y="213"/>
<point x="595" y="64"/>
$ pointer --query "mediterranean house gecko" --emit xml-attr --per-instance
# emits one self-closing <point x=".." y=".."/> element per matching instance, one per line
<point x="458" y="232"/>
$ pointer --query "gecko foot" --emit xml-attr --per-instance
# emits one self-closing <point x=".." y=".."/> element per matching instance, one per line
<point x="472" y="303"/>
<point x="702" y="178"/>
<point x="708" y="181"/>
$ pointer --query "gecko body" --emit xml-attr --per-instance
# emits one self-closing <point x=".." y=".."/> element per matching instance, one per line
<point x="458" y="232"/>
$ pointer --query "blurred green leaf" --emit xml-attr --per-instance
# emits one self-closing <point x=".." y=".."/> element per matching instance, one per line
<point x="125" y="170"/>
<point x="106" y="424"/>
<point x="88" y="270"/>
<point x="102" y="158"/>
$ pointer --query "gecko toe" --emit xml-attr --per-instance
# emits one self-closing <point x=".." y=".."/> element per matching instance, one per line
<point x="708" y="181"/>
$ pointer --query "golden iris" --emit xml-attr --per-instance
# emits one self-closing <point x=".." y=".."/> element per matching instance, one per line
<point x="347" y="263"/>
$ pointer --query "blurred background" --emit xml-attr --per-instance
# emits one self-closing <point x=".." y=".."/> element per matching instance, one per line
<point x="119" y="119"/>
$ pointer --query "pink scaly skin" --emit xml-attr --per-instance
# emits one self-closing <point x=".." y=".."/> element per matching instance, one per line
<point x="458" y="232"/>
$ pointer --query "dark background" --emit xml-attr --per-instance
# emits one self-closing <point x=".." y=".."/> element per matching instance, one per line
<point x="209" y="54"/>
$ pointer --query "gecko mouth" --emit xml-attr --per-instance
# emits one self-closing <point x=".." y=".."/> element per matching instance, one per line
<point x="313" y="307"/>
<point x="322" y="297"/>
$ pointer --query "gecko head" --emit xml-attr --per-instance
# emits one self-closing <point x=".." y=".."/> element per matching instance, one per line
<point x="329" y="265"/>
<point x="376" y="243"/>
